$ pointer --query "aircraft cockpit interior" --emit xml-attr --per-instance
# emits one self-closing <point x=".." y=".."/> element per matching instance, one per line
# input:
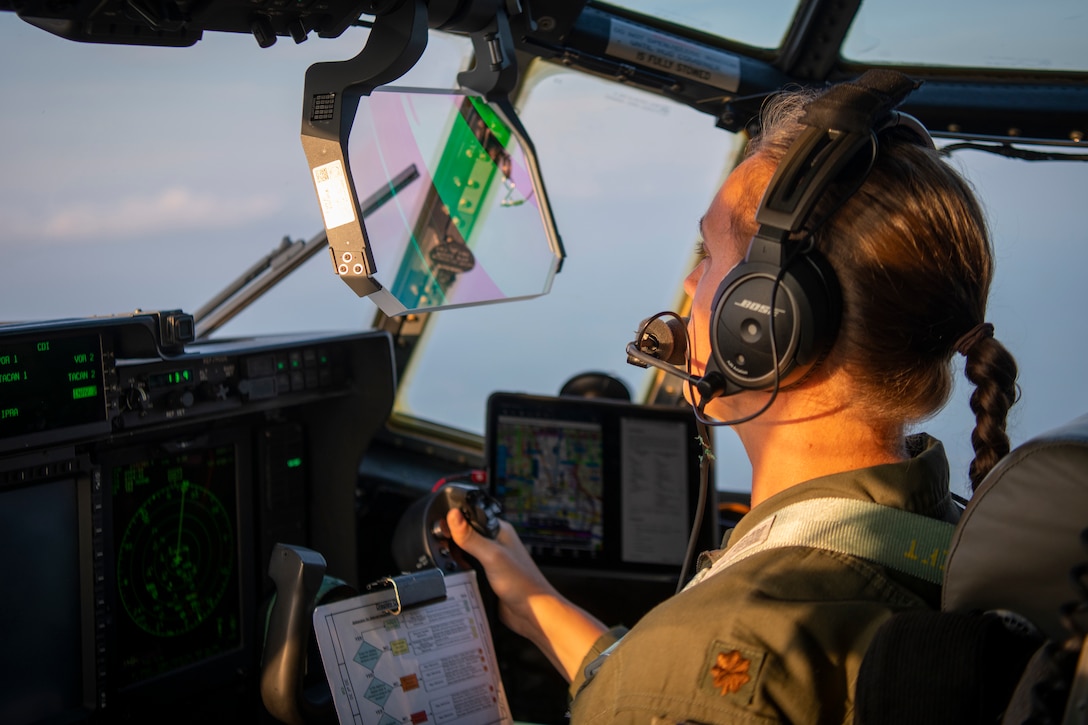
<point x="210" y="441"/>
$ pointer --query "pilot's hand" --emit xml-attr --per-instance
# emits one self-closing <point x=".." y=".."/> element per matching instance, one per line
<point x="512" y="573"/>
<point x="528" y="603"/>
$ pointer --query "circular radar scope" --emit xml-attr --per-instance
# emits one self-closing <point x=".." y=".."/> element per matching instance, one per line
<point x="176" y="559"/>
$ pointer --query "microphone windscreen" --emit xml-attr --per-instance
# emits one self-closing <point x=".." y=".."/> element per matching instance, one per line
<point x="664" y="337"/>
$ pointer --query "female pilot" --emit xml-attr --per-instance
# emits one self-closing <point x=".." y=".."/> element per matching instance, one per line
<point x="777" y="633"/>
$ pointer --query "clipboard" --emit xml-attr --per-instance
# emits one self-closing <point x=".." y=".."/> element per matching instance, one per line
<point x="413" y="649"/>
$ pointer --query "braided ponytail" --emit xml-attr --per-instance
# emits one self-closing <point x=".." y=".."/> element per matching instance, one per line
<point x="992" y="369"/>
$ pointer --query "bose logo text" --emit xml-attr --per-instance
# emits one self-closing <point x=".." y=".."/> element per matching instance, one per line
<point x="759" y="307"/>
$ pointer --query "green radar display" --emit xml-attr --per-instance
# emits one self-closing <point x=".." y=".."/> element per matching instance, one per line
<point x="175" y="524"/>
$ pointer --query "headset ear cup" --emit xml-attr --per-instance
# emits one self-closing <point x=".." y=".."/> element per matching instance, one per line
<point x="807" y="307"/>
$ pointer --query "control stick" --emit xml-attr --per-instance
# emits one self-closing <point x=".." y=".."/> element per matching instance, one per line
<point x="421" y="539"/>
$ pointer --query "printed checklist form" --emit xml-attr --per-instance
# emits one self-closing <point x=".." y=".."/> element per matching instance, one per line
<point x="433" y="663"/>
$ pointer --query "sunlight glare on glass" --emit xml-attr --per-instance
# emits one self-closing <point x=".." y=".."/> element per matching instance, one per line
<point x="451" y="207"/>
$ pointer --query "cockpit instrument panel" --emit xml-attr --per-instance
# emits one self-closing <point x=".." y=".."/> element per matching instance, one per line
<point x="143" y="482"/>
<point x="49" y="382"/>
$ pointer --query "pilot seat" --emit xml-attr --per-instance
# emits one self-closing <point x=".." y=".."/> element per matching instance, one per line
<point x="1008" y="644"/>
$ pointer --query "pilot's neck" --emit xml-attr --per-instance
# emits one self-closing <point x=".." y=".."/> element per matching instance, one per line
<point x="800" y="438"/>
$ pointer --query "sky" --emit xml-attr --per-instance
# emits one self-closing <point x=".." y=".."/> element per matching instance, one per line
<point x="151" y="177"/>
<point x="119" y="154"/>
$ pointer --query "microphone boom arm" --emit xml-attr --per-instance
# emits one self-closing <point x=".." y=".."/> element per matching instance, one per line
<point x="635" y="356"/>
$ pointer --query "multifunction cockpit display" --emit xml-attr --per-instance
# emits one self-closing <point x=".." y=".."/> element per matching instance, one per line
<point x="49" y="382"/>
<point x="177" y="558"/>
<point x="144" y="480"/>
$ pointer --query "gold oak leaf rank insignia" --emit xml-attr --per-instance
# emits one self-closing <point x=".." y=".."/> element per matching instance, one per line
<point x="730" y="672"/>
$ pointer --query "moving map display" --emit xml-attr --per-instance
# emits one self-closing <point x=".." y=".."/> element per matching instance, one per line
<point x="594" y="483"/>
<point x="550" y="477"/>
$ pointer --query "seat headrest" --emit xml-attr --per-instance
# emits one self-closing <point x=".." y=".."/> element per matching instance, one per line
<point x="1020" y="534"/>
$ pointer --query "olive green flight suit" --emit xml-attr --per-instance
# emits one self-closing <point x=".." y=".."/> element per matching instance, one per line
<point x="774" y="637"/>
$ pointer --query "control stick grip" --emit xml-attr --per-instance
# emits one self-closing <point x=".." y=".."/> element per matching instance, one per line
<point x="421" y="539"/>
<point x="480" y="510"/>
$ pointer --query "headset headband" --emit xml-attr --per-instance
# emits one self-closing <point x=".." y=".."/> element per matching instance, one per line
<point x="840" y="124"/>
<point x="776" y="314"/>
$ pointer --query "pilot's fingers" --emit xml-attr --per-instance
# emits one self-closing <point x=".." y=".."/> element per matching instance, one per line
<point x="507" y="536"/>
<point x="466" y="537"/>
<point x="504" y="556"/>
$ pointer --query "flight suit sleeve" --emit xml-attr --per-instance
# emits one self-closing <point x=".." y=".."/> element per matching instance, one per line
<point x="589" y="663"/>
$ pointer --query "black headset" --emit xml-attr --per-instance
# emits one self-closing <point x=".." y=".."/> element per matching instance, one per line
<point x="782" y="271"/>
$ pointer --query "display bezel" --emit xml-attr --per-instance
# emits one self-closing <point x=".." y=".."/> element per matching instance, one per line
<point x="219" y="667"/>
<point x="609" y="415"/>
<point x="74" y="476"/>
<point x="52" y="401"/>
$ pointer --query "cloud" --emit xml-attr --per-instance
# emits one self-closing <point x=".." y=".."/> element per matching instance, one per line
<point x="134" y="215"/>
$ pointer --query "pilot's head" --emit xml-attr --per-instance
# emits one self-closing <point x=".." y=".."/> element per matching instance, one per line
<point x="912" y="256"/>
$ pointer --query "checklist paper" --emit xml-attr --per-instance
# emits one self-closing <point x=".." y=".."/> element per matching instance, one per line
<point x="434" y="663"/>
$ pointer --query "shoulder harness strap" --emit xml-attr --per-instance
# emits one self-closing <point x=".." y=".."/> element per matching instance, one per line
<point x="906" y="542"/>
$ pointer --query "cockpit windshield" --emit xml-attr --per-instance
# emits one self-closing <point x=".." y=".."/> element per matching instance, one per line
<point x="161" y="206"/>
<point x="1042" y="36"/>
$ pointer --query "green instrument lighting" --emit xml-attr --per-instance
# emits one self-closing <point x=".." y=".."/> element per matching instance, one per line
<point x="295" y="462"/>
<point x="85" y="391"/>
<point x="179" y="376"/>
